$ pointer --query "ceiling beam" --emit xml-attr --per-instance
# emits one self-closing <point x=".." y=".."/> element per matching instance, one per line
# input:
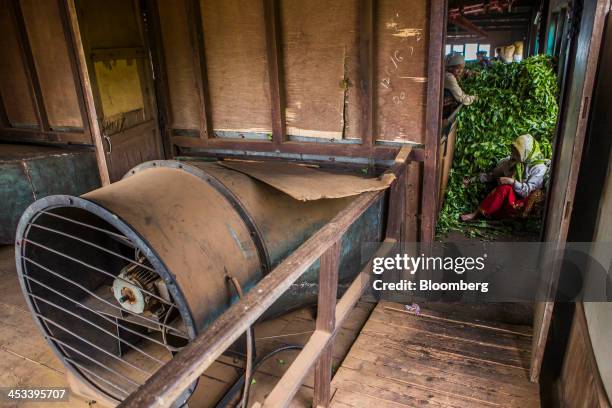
<point x="466" y="24"/>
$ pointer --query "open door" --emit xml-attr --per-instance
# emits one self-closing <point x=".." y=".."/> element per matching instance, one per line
<point x="121" y="77"/>
<point x="583" y="55"/>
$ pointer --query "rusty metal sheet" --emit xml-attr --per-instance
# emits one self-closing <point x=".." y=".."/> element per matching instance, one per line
<point x="306" y="183"/>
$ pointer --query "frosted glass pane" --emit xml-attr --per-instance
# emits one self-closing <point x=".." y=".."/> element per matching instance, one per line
<point x="470" y="51"/>
<point x="485" y="47"/>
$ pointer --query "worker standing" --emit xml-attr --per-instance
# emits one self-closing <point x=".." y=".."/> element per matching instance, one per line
<point x="482" y="59"/>
<point x="455" y="70"/>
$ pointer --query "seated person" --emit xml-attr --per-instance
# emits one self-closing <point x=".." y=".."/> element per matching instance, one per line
<point x="455" y="70"/>
<point x="520" y="178"/>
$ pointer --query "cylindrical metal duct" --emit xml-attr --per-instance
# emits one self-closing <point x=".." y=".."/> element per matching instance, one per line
<point x="122" y="277"/>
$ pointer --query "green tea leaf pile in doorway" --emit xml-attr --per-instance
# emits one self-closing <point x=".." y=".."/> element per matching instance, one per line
<point x="513" y="99"/>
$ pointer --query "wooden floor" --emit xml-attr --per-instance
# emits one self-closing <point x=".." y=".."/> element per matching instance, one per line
<point x="435" y="360"/>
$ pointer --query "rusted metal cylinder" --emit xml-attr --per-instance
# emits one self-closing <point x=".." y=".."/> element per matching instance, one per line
<point x="122" y="277"/>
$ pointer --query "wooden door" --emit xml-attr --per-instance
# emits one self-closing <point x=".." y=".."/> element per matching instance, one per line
<point x="122" y="83"/>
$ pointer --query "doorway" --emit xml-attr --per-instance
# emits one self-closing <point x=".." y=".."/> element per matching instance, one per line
<point x="116" y="48"/>
<point x="571" y="34"/>
<point x="497" y="89"/>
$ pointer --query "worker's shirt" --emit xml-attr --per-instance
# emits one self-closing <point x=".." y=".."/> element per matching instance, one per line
<point x="533" y="180"/>
<point x="450" y="83"/>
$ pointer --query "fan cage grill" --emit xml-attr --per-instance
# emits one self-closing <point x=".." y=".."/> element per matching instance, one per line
<point x="68" y="259"/>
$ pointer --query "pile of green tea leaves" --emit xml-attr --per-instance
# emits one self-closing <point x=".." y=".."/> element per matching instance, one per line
<point x="513" y="99"/>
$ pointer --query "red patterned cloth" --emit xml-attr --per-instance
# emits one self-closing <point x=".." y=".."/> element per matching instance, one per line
<point x="503" y="202"/>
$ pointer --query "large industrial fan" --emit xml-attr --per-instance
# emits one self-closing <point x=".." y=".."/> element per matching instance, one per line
<point x="123" y="277"/>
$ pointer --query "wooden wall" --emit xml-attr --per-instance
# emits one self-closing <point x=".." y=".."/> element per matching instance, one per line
<point x="40" y="95"/>
<point x="580" y="384"/>
<point x="350" y="72"/>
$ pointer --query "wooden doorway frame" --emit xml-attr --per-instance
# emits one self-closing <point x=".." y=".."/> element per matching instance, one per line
<point x="574" y="115"/>
<point x="88" y="95"/>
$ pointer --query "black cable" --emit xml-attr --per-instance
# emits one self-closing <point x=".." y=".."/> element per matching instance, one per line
<point x="229" y="395"/>
<point x="249" y="350"/>
<point x="250" y="370"/>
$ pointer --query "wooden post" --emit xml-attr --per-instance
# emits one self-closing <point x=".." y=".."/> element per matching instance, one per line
<point x="30" y="67"/>
<point x="196" y="34"/>
<point x="156" y="45"/>
<point x="92" y="115"/>
<point x="4" y="120"/>
<point x="396" y="217"/>
<point x="275" y="70"/>
<point x="568" y="149"/>
<point x="326" y="321"/>
<point x="437" y="24"/>
<point x="397" y="208"/>
<point x="78" y="86"/>
<point x="366" y="69"/>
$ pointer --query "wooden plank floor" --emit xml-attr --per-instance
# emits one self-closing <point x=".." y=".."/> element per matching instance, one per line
<point x="404" y="360"/>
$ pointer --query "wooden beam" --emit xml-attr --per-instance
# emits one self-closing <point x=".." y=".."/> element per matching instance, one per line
<point x="396" y="217"/>
<point x="379" y="152"/>
<point x="35" y="135"/>
<point x="326" y="321"/>
<point x="92" y="114"/>
<point x="4" y="119"/>
<point x="196" y="35"/>
<point x="29" y="66"/>
<point x="403" y="155"/>
<point x="155" y="45"/>
<point x="72" y="56"/>
<point x="275" y="70"/>
<point x="543" y="28"/>
<point x="167" y="384"/>
<point x="433" y="118"/>
<point x="287" y="386"/>
<point x="466" y="24"/>
<point x="366" y="70"/>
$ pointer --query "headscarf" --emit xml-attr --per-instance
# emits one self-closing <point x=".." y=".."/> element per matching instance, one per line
<point x="529" y="153"/>
<point x="454" y="59"/>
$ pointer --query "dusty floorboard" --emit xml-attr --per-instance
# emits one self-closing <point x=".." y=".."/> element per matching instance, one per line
<point x="27" y="361"/>
<point x="404" y="360"/>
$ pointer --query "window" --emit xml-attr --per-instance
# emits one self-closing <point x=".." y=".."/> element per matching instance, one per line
<point x="470" y="51"/>
<point x="458" y="48"/>
<point x="486" y="48"/>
